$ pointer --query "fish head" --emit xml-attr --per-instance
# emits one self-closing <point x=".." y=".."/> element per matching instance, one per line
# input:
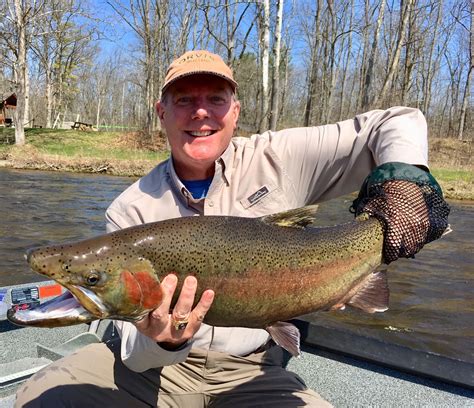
<point x="109" y="279"/>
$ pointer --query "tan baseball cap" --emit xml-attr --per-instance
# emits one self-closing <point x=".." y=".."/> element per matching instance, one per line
<point x="198" y="62"/>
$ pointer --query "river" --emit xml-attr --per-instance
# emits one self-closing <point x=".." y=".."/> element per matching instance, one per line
<point x="431" y="296"/>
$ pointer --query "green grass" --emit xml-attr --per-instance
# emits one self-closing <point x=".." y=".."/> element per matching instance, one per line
<point x="450" y="175"/>
<point x="71" y="143"/>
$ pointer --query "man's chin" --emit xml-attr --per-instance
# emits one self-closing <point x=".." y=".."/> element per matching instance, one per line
<point x="195" y="165"/>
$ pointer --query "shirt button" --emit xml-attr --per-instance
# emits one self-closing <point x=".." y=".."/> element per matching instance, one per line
<point x="210" y="203"/>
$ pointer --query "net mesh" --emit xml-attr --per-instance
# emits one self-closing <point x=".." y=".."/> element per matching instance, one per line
<point x="413" y="214"/>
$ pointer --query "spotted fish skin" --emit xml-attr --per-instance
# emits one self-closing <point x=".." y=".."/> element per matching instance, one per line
<point x="261" y="272"/>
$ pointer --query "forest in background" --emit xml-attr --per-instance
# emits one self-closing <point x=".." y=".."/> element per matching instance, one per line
<point x="297" y="62"/>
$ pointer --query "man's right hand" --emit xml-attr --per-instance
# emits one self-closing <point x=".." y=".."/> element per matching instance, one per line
<point x="159" y="325"/>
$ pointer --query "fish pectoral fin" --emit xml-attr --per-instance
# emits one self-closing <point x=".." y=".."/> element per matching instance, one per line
<point x="287" y="336"/>
<point x="372" y="294"/>
<point x="297" y="218"/>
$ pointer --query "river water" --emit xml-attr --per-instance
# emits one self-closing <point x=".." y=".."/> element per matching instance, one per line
<point x="431" y="300"/>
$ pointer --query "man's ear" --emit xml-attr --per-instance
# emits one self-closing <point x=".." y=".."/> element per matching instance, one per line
<point x="236" y="113"/>
<point x="160" y="110"/>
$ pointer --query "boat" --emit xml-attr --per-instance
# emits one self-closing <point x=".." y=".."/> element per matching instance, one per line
<point x="344" y="368"/>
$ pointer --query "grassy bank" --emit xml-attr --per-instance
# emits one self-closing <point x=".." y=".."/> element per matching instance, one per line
<point x="130" y="154"/>
<point x="112" y="153"/>
<point x="451" y="164"/>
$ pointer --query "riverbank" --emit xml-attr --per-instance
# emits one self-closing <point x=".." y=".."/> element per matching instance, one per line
<point x="113" y="153"/>
<point x="130" y="154"/>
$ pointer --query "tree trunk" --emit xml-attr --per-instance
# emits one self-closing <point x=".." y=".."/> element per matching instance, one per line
<point x="99" y="103"/>
<point x="393" y="63"/>
<point x="286" y="59"/>
<point x="21" y="71"/>
<point x="465" y="99"/>
<point x="365" y="51"/>
<point x="330" y="81"/>
<point x="276" y="67"/>
<point x="311" y="97"/>
<point x="410" y="57"/>
<point x="230" y="19"/>
<point x="429" y="71"/>
<point x="49" y="99"/>
<point x="346" y="63"/>
<point x="367" y="80"/>
<point x="264" y="47"/>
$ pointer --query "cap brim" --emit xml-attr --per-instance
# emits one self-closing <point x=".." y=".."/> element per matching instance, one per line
<point x="231" y="82"/>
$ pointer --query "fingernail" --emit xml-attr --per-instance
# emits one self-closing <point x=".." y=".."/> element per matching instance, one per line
<point x="190" y="281"/>
<point x="208" y="295"/>
<point x="170" y="280"/>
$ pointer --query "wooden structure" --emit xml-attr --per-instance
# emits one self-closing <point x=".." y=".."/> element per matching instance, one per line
<point x="82" y="126"/>
<point x="7" y="104"/>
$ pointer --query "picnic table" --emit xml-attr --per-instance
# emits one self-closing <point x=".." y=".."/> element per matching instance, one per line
<point x="81" y="126"/>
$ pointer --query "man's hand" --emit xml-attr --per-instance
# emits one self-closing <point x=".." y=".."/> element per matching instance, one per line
<point x="412" y="216"/>
<point x="404" y="211"/>
<point x="158" y="325"/>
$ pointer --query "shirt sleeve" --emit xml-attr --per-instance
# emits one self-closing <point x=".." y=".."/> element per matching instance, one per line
<point x="140" y="353"/>
<point x="328" y="161"/>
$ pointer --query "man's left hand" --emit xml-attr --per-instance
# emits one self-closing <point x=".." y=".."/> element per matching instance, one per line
<point x="412" y="216"/>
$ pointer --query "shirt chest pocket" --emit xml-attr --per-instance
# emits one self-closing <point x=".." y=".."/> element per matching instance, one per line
<point x="265" y="199"/>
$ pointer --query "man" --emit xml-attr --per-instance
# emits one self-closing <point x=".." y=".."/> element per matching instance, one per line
<point x="171" y="358"/>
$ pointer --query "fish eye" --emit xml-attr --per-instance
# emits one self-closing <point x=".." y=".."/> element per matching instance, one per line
<point x="92" y="278"/>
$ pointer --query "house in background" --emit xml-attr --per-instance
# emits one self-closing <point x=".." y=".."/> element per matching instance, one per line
<point x="6" y="111"/>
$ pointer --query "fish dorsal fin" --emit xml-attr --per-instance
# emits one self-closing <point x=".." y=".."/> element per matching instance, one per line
<point x="287" y="336"/>
<point x="372" y="294"/>
<point x="297" y="218"/>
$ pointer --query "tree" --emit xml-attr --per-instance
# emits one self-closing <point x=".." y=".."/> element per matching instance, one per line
<point x="150" y="21"/>
<point x="225" y="15"/>
<point x="18" y="25"/>
<point x="369" y="72"/>
<point x="328" y="61"/>
<point x="61" y="46"/>
<point x="276" y="67"/>
<point x="467" y="85"/>
<point x="264" y="41"/>
<point x="394" y="59"/>
<point x="314" y="46"/>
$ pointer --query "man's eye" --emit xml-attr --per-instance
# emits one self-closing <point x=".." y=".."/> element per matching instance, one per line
<point x="183" y="100"/>
<point x="218" y="99"/>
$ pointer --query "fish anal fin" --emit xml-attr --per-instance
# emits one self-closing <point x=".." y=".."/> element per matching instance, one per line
<point x="287" y="336"/>
<point x="296" y="218"/>
<point x="372" y="294"/>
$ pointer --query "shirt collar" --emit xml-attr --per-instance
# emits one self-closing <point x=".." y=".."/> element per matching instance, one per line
<point x="176" y="183"/>
<point x="226" y="160"/>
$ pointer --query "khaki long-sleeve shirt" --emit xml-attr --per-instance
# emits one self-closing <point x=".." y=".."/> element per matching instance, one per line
<point x="264" y="174"/>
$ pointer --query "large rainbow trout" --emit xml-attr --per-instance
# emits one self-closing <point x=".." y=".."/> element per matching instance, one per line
<point x="263" y="270"/>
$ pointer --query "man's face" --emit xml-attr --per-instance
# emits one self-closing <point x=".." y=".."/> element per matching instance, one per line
<point x="199" y="114"/>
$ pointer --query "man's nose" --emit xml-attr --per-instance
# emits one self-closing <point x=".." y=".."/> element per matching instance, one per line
<point x="200" y="111"/>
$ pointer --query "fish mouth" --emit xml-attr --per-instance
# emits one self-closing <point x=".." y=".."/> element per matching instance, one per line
<point x="89" y="301"/>
<point x="63" y="310"/>
<point x="76" y="305"/>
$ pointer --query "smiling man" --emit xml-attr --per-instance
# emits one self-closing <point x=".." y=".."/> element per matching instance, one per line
<point x="200" y="114"/>
<point x="171" y="358"/>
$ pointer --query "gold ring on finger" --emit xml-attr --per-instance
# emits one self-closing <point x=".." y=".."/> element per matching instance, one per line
<point x="180" y="323"/>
